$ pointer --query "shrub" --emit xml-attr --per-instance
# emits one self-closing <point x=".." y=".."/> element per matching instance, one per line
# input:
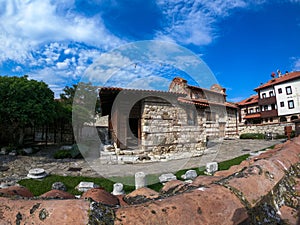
<point x="62" y="154"/>
<point x="252" y="136"/>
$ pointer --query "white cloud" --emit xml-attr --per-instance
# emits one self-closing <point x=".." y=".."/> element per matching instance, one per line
<point x="25" y="25"/>
<point x="194" y="22"/>
<point x="296" y="64"/>
<point x="17" y="69"/>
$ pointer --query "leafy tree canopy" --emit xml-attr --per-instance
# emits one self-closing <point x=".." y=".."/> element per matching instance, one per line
<point x="24" y="102"/>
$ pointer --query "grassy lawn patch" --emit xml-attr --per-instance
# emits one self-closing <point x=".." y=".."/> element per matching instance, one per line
<point x="38" y="187"/>
<point x="225" y="165"/>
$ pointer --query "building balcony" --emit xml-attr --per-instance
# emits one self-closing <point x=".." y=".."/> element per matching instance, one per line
<point x="267" y="101"/>
<point x="255" y="115"/>
<point x="269" y="113"/>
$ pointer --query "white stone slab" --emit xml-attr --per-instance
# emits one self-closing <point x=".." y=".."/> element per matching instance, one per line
<point x="37" y="173"/>
<point x="85" y="186"/>
<point x="211" y="167"/>
<point x="167" y="177"/>
<point x="118" y="189"/>
<point x="189" y="175"/>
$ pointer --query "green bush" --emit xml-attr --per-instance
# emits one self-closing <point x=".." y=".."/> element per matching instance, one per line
<point x="62" y="154"/>
<point x="252" y="136"/>
<point x="72" y="153"/>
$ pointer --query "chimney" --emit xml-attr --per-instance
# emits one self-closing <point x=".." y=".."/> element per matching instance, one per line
<point x="279" y="73"/>
<point x="273" y="75"/>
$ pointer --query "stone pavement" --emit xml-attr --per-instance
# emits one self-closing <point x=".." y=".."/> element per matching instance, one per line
<point x="14" y="168"/>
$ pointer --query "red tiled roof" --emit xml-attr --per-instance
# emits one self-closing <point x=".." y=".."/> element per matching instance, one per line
<point x="248" y="101"/>
<point x="252" y="116"/>
<point x="231" y="105"/>
<point x="135" y="90"/>
<point x="205" y="89"/>
<point x="204" y="102"/>
<point x="199" y="102"/>
<point x="282" y="79"/>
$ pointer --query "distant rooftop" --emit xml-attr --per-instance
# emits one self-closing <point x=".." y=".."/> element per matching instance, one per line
<point x="248" y="101"/>
<point x="281" y="79"/>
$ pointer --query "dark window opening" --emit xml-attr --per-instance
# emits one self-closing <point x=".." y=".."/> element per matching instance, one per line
<point x="288" y="90"/>
<point x="291" y="104"/>
<point x="211" y="116"/>
<point x="191" y="117"/>
<point x="283" y="119"/>
<point x="273" y="106"/>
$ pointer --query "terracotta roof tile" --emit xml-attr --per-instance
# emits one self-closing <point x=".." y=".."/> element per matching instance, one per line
<point x="248" y="101"/>
<point x="282" y="79"/>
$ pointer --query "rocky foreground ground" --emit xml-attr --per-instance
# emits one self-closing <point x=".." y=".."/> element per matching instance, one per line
<point x="262" y="190"/>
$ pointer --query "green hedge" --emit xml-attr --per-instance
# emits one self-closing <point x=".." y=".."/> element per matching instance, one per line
<point x="252" y="136"/>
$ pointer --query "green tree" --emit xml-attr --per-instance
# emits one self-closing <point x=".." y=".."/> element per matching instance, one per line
<point x="24" y="103"/>
<point x="81" y="102"/>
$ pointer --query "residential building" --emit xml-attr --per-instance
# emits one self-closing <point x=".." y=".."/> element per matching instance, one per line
<point x="249" y="111"/>
<point x="279" y="98"/>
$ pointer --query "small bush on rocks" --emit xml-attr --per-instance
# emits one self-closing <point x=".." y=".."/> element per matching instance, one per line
<point x="252" y="136"/>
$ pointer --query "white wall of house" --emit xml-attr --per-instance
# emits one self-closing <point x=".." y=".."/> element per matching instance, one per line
<point x="288" y="103"/>
<point x="266" y="91"/>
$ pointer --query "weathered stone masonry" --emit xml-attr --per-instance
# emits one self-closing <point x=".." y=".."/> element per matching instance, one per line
<point x="166" y="128"/>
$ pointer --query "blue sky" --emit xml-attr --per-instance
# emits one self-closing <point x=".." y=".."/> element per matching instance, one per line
<point x="242" y="42"/>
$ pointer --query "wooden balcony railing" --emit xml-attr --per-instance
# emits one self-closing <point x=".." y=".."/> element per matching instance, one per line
<point x="267" y="101"/>
<point x="270" y="113"/>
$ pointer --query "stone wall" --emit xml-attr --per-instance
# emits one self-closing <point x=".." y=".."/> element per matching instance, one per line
<point x="166" y="128"/>
<point x="276" y="128"/>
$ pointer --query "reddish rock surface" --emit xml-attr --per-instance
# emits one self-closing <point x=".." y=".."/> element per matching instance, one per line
<point x="63" y="212"/>
<point x="205" y="180"/>
<point x="173" y="186"/>
<point x="121" y="200"/>
<point x="187" y="208"/>
<point x="141" y="195"/>
<point x="201" y="202"/>
<point x="289" y="215"/>
<point x="100" y="195"/>
<point x="257" y="180"/>
<point x="57" y="194"/>
<point x="16" y="191"/>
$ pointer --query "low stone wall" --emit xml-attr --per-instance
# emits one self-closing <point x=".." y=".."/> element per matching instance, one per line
<point x="277" y="128"/>
<point x="264" y="189"/>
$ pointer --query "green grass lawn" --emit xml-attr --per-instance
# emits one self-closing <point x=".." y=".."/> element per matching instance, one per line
<point x="38" y="187"/>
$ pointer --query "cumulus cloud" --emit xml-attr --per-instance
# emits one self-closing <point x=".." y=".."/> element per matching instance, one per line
<point x="25" y="25"/>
